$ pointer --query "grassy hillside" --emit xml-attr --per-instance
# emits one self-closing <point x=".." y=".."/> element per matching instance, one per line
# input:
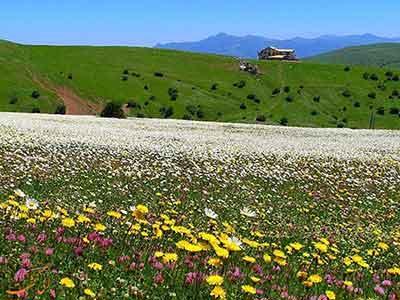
<point x="380" y="55"/>
<point x="315" y="94"/>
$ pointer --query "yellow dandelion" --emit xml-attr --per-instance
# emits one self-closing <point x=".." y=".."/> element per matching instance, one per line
<point x="215" y="280"/>
<point x="249" y="289"/>
<point x="218" y="292"/>
<point x="68" y="222"/>
<point x="67" y="282"/>
<point x="95" y="266"/>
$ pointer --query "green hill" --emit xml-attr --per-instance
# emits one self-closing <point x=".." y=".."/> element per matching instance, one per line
<point x="163" y="83"/>
<point x="380" y="55"/>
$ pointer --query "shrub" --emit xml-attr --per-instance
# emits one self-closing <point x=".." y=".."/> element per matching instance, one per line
<point x="214" y="86"/>
<point x="158" y="74"/>
<point x="286" y="89"/>
<point x="389" y="74"/>
<point x="251" y="97"/>
<point x="140" y="115"/>
<point x="70" y="77"/>
<point x="357" y="104"/>
<point x="173" y="93"/>
<point x="347" y="69"/>
<point x="146" y="103"/>
<point x="380" y="111"/>
<point x="276" y="91"/>
<point x="340" y="125"/>
<point x="395" y="93"/>
<point x="289" y="99"/>
<point x="112" y="110"/>
<point x="260" y="118"/>
<point x="314" y="113"/>
<point x="374" y="77"/>
<point x="13" y="100"/>
<point x="243" y="106"/>
<point x="257" y="101"/>
<point x="60" y="110"/>
<point x="372" y="95"/>
<point x="35" y="95"/>
<point x="382" y="87"/>
<point x="241" y="84"/>
<point x="187" y="117"/>
<point x="131" y="104"/>
<point x="346" y="93"/>
<point x="134" y="74"/>
<point x="167" y="112"/>
<point x="317" y="99"/>
<point x="191" y="109"/>
<point x="125" y="72"/>
<point x="366" y="76"/>
<point x="395" y="78"/>
<point x="200" y="114"/>
<point x="36" y="110"/>
<point x="152" y="98"/>
<point x="394" y="111"/>
<point x="284" y="121"/>
<point x="125" y="78"/>
<point x="146" y="87"/>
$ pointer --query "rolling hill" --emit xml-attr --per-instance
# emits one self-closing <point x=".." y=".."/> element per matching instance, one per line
<point x="158" y="83"/>
<point x="380" y="55"/>
<point x="248" y="46"/>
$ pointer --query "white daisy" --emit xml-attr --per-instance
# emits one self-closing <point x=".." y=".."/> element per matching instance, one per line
<point x="19" y="193"/>
<point x="248" y="212"/>
<point x="210" y="213"/>
<point x="31" y="203"/>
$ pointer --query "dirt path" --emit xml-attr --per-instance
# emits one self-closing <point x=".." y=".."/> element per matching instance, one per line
<point x="74" y="104"/>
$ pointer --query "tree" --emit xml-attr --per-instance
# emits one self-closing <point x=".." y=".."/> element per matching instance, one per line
<point x="60" y="110"/>
<point x="260" y="118"/>
<point x="35" y="95"/>
<point x="284" y="121"/>
<point x="113" y="110"/>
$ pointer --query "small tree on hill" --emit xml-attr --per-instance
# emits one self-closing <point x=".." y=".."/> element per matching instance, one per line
<point x="113" y="110"/>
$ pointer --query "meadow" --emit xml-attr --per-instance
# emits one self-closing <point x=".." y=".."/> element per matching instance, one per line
<point x="162" y="209"/>
<point x="157" y="83"/>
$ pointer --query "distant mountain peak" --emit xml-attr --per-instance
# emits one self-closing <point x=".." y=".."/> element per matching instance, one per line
<point x="249" y="45"/>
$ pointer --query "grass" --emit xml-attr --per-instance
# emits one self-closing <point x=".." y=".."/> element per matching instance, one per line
<point x="378" y="55"/>
<point x="97" y="74"/>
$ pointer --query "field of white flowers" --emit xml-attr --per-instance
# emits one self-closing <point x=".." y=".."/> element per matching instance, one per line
<point x="164" y="209"/>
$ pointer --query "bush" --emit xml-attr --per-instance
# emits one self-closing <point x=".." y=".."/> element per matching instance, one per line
<point x="260" y="118"/>
<point x="317" y="99"/>
<point x="13" y="100"/>
<point x="366" y="76"/>
<point x="200" y="114"/>
<point x="146" y="87"/>
<point x="380" y="111"/>
<point x="394" y="111"/>
<point x="167" y="112"/>
<point x="347" y="69"/>
<point x="152" y="98"/>
<point x="191" y="109"/>
<point x="131" y="104"/>
<point x="35" y="95"/>
<point x="241" y="84"/>
<point x="251" y="97"/>
<point x="395" y="93"/>
<point x="372" y="95"/>
<point x="389" y="74"/>
<point x="382" y="87"/>
<point x="289" y="99"/>
<point x="134" y="74"/>
<point x="60" y="110"/>
<point x="187" y="117"/>
<point x="140" y="115"/>
<point x="286" y="89"/>
<point x="395" y="78"/>
<point x="357" y="104"/>
<point x="125" y="78"/>
<point x="340" y="125"/>
<point x="346" y="93"/>
<point x="158" y="74"/>
<point x="243" y="106"/>
<point x="70" y="76"/>
<point x="113" y="110"/>
<point x="374" y="77"/>
<point x="276" y="91"/>
<point x="214" y="87"/>
<point x="125" y="72"/>
<point x="257" y="101"/>
<point x="36" y="110"/>
<point x="173" y="93"/>
<point x="314" y="113"/>
<point x="284" y="121"/>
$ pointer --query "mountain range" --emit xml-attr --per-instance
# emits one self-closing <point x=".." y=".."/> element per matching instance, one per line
<point x="248" y="46"/>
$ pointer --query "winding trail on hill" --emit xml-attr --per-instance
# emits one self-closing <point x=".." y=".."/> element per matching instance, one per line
<point x="74" y="104"/>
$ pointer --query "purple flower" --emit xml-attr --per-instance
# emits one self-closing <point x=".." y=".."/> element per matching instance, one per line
<point x="158" y="278"/>
<point x="379" y="290"/>
<point x="20" y="275"/>
<point x="49" y="252"/>
<point x="42" y="237"/>
<point x="386" y="283"/>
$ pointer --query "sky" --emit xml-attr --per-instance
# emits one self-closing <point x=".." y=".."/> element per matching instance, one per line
<point x="148" y="22"/>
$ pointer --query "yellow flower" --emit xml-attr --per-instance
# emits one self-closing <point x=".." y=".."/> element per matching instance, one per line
<point x="267" y="258"/>
<point x="90" y="293"/>
<point x="214" y="262"/>
<point x="383" y="246"/>
<point x="331" y="295"/>
<point x="170" y="257"/>
<point x="296" y="246"/>
<point x="67" y="282"/>
<point x="68" y="222"/>
<point x="218" y="292"/>
<point x="321" y="247"/>
<point x="249" y="289"/>
<point x="279" y="253"/>
<point x="83" y="219"/>
<point x="215" y="280"/>
<point x="142" y="209"/>
<point x="315" y="278"/>
<point x="249" y="259"/>
<point x="114" y="214"/>
<point x="95" y="266"/>
<point x="221" y="252"/>
<point x="348" y="283"/>
<point x="188" y="246"/>
<point x="394" y="271"/>
<point x="99" y="227"/>
<point x="255" y="279"/>
<point x="158" y="254"/>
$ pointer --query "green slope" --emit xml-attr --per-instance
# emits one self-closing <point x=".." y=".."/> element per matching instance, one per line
<point x="97" y="77"/>
<point x="380" y="55"/>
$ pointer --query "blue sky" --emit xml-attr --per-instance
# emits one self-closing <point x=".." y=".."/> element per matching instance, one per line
<point x="147" y="22"/>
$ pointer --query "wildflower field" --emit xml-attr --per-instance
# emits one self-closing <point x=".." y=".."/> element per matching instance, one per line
<point x="149" y="209"/>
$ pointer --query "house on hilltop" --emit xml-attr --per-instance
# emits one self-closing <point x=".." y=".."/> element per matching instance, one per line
<point x="272" y="53"/>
